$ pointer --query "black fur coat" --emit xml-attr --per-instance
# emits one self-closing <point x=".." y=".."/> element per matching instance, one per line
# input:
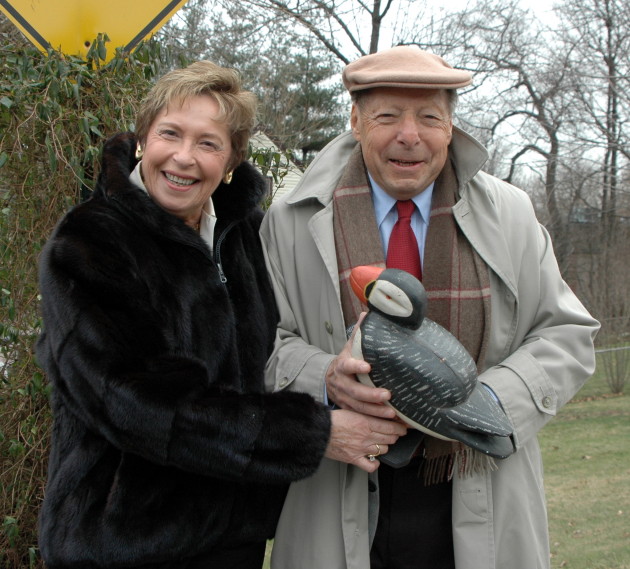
<point x="164" y="442"/>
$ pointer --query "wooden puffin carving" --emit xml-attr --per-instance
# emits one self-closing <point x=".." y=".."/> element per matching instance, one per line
<point x="432" y="378"/>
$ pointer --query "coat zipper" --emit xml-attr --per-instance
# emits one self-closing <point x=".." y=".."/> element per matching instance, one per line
<point x="217" y="251"/>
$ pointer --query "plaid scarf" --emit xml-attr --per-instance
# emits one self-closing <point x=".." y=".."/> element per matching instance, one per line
<point x="458" y="291"/>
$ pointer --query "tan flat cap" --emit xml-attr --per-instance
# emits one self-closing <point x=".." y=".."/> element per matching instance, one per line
<point x="403" y="66"/>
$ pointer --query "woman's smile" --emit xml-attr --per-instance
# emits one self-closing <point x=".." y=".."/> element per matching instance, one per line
<point x="180" y="181"/>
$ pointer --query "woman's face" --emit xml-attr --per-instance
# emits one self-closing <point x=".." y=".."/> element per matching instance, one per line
<point x="186" y="154"/>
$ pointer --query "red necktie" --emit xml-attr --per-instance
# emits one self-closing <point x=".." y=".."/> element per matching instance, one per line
<point x="402" y="250"/>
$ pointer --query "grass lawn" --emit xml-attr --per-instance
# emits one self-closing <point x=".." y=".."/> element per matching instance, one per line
<point x="586" y="452"/>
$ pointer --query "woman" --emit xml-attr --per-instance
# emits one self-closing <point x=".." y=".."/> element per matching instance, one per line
<point x="158" y="321"/>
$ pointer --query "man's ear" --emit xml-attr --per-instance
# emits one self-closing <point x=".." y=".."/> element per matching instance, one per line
<point x="355" y="119"/>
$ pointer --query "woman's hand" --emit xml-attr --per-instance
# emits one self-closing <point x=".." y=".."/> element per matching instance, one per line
<point x="354" y="436"/>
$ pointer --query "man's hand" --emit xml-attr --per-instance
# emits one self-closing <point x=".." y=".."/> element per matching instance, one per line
<point x="346" y="392"/>
<point x="354" y="436"/>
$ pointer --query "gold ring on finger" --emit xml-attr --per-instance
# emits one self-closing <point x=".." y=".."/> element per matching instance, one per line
<point x="372" y="457"/>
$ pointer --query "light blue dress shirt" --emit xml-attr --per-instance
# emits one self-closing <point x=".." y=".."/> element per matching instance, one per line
<point x="386" y="215"/>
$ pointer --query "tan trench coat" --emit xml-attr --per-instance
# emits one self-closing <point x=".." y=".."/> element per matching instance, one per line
<point x="540" y="354"/>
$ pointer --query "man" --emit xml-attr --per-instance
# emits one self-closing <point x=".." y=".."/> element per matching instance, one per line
<point x="492" y="280"/>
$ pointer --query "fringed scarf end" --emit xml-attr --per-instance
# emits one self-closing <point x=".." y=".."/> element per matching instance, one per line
<point x="473" y="462"/>
<point x="437" y="469"/>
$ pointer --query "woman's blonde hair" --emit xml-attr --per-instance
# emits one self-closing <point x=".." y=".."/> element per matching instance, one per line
<point x="237" y="106"/>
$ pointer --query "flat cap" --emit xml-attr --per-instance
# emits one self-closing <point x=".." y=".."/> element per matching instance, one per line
<point x="403" y="66"/>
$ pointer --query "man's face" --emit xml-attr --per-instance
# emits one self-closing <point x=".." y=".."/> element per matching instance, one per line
<point x="404" y="134"/>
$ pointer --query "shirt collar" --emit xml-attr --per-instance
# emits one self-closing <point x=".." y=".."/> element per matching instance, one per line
<point x="383" y="202"/>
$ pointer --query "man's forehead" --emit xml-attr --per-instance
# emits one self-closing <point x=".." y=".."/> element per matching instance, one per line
<point x="401" y="97"/>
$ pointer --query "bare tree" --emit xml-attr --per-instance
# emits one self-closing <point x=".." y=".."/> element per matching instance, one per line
<point x="598" y="33"/>
<point x="346" y="28"/>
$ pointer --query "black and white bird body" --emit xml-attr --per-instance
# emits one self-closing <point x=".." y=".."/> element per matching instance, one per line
<point x="432" y="378"/>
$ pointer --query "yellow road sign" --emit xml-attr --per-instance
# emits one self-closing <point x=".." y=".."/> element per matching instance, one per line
<point x="72" y="25"/>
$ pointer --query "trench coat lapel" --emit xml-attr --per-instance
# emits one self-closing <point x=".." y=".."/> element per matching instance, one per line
<point x="321" y="229"/>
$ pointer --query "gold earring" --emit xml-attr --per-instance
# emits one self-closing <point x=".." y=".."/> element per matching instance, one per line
<point x="227" y="178"/>
<point x="139" y="152"/>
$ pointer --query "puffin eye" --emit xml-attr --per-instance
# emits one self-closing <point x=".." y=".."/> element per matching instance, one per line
<point x="368" y="289"/>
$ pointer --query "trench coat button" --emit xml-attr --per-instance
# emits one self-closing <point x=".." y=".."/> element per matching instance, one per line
<point x="329" y="327"/>
<point x="284" y="381"/>
<point x="546" y="402"/>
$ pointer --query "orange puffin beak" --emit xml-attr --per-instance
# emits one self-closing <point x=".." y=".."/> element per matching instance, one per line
<point x="361" y="277"/>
